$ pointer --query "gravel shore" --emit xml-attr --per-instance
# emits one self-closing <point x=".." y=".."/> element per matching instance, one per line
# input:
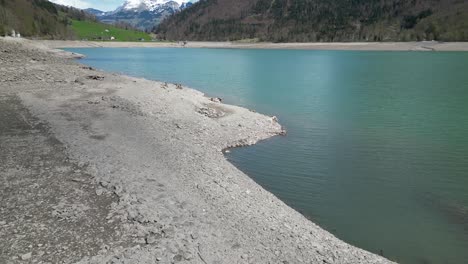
<point x="369" y="46"/>
<point x="104" y="168"/>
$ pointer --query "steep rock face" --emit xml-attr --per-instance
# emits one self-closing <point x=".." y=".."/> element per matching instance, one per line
<point x="318" y="20"/>
<point x="143" y="14"/>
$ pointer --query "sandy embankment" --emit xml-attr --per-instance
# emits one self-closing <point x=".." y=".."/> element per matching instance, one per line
<point x="377" y="46"/>
<point x="131" y="171"/>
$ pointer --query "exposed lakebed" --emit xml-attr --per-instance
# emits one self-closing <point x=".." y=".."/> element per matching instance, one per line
<point x="377" y="144"/>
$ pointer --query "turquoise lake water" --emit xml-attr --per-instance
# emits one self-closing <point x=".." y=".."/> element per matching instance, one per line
<point x="377" y="144"/>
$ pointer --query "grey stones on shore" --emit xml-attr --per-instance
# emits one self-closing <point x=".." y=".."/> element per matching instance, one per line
<point x="211" y="112"/>
<point x="26" y="256"/>
<point x="153" y="238"/>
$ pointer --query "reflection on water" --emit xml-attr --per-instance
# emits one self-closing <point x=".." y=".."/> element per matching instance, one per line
<point x="377" y="144"/>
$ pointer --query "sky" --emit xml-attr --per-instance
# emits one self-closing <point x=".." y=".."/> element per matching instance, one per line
<point x="103" y="5"/>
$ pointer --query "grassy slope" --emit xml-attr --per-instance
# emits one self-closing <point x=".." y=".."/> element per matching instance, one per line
<point x="92" y="31"/>
<point x="43" y="19"/>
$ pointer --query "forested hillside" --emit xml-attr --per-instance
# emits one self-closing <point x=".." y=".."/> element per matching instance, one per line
<point x="43" y="19"/>
<point x="320" y="20"/>
<point x="38" y="18"/>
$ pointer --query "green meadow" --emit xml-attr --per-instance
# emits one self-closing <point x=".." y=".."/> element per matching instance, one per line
<point x="96" y="31"/>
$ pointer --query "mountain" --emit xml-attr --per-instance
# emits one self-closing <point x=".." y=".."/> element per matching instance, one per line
<point x="94" y="12"/>
<point x="143" y="14"/>
<point x="319" y="20"/>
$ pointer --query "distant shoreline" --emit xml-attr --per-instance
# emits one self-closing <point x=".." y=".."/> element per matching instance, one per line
<point x="357" y="46"/>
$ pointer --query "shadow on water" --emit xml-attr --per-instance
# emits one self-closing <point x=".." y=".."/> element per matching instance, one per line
<point x="450" y="209"/>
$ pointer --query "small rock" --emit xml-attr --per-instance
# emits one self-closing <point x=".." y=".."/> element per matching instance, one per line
<point x="188" y="256"/>
<point x="95" y="77"/>
<point x="150" y="240"/>
<point x="26" y="256"/>
<point x="177" y="257"/>
<point x="216" y="99"/>
<point x="99" y="191"/>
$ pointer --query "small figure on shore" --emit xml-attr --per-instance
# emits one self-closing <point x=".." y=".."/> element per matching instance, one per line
<point x="179" y="86"/>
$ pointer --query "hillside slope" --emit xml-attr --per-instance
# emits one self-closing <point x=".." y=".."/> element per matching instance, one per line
<point x="32" y="18"/>
<point x="43" y="19"/>
<point x="39" y="18"/>
<point x="320" y="20"/>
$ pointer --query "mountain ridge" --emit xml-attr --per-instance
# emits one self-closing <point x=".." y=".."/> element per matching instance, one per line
<point x="142" y="14"/>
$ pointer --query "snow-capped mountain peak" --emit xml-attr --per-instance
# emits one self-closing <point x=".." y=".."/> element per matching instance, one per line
<point x="143" y="14"/>
<point x="150" y="5"/>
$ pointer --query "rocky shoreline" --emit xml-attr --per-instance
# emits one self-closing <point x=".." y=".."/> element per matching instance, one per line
<point x="106" y="168"/>
<point x="356" y="46"/>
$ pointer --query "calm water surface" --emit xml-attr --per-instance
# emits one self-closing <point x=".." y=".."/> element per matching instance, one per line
<point x="377" y="144"/>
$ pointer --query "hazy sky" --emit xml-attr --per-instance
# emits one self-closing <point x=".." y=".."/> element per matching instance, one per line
<point x="104" y="5"/>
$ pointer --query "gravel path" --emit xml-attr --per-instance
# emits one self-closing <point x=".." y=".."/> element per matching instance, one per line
<point x="114" y="169"/>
